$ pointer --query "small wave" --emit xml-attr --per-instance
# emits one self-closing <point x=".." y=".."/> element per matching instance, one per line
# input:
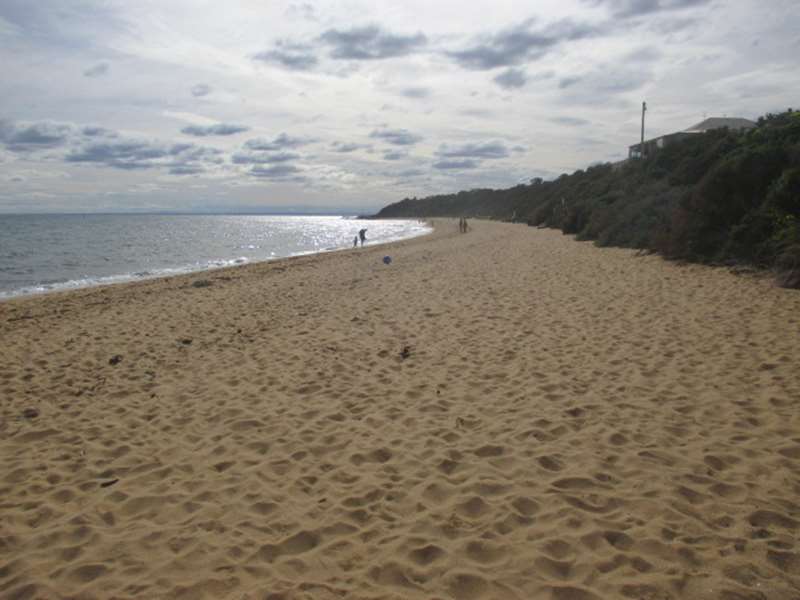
<point x="72" y="284"/>
<point x="220" y="263"/>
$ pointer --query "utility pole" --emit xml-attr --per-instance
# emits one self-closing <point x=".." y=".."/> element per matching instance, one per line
<point x="641" y="146"/>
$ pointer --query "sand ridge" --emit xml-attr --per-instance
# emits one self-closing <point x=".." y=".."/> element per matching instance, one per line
<point x="502" y="414"/>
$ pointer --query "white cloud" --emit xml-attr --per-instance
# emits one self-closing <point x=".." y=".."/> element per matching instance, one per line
<point x="415" y="92"/>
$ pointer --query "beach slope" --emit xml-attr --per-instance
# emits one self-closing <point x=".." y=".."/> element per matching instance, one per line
<point x="501" y="414"/>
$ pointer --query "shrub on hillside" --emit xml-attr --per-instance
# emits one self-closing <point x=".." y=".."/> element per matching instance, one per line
<point x="715" y="196"/>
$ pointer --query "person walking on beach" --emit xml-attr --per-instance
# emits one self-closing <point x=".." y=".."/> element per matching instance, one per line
<point x="362" y="235"/>
<point x="355" y="242"/>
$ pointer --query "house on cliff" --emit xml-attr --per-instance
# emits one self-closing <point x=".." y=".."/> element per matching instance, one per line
<point x="653" y="145"/>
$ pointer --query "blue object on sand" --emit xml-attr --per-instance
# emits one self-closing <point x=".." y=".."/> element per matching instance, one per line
<point x="387" y="260"/>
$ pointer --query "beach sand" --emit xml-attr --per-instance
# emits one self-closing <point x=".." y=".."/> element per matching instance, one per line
<point x="504" y="414"/>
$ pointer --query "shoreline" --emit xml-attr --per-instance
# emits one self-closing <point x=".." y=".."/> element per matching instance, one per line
<point x="499" y="414"/>
<point x="132" y="279"/>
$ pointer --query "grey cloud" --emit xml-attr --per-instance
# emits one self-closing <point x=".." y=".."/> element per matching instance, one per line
<point x="293" y="56"/>
<point x="124" y="151"/>
<point x="192" y="152"/>
<point x="192" y="160"/>
<point x="416" y="92"/>
<point x="186" y="170"/>
<point x="274" y="172"/>
<point x="398" y="137"/>
<point x="260" y="158"/>
<point x="484" y="150"/>
<point x="348" y="147"/>
<point x="122" y="154"/>
<point x="542" y="76"/>
<point x="217" y="129"/>
<point x="97" y="70"/>
<point x="643" y="55"/>
<point x="281" y="142"/>
<point x="456" y="164"/>
<point x="521" y="44"/>
<point x="26" y="136"/>
<point x="92" y="144"/>
<point x="131" y="154"/>
<point x="411" y="173"/>
<point x="94" y="131"/>
<point x="394" y="155"/>
<point x="637" y="8"/>
<point x="568" y="82"/>
<point x="370" y="43"/>
<point x="201" y="89"/>
<point x="571" y="121"/>
<point x="293" y="61"/>
<point x="511" y="79"/>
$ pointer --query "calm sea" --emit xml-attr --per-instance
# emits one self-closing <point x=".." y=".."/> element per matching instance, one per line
<point x="40" y="253"/>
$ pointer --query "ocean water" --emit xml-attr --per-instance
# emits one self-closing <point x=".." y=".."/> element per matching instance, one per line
<point x="41" y="253"/>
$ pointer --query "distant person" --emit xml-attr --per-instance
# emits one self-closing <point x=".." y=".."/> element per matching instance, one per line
<point x="362" y="235"/>
<point x="461" y="225"/>
<point x="355" y="242"/>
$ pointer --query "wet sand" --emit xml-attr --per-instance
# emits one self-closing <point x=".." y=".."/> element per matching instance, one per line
<point x="505" y="414"/>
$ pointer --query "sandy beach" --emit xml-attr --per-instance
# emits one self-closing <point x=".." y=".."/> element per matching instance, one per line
<point x="504" y="414"/>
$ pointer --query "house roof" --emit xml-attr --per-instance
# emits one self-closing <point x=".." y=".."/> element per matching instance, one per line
<point x="721" y="122"/>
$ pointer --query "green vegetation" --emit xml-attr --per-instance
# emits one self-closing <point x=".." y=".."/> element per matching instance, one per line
<point x="720" y="197"/>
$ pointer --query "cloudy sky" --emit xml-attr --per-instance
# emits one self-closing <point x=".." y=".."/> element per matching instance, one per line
<point x="349" y="105"/>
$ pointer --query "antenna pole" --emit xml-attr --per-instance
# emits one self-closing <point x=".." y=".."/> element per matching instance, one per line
<point x="644" y="110"/>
